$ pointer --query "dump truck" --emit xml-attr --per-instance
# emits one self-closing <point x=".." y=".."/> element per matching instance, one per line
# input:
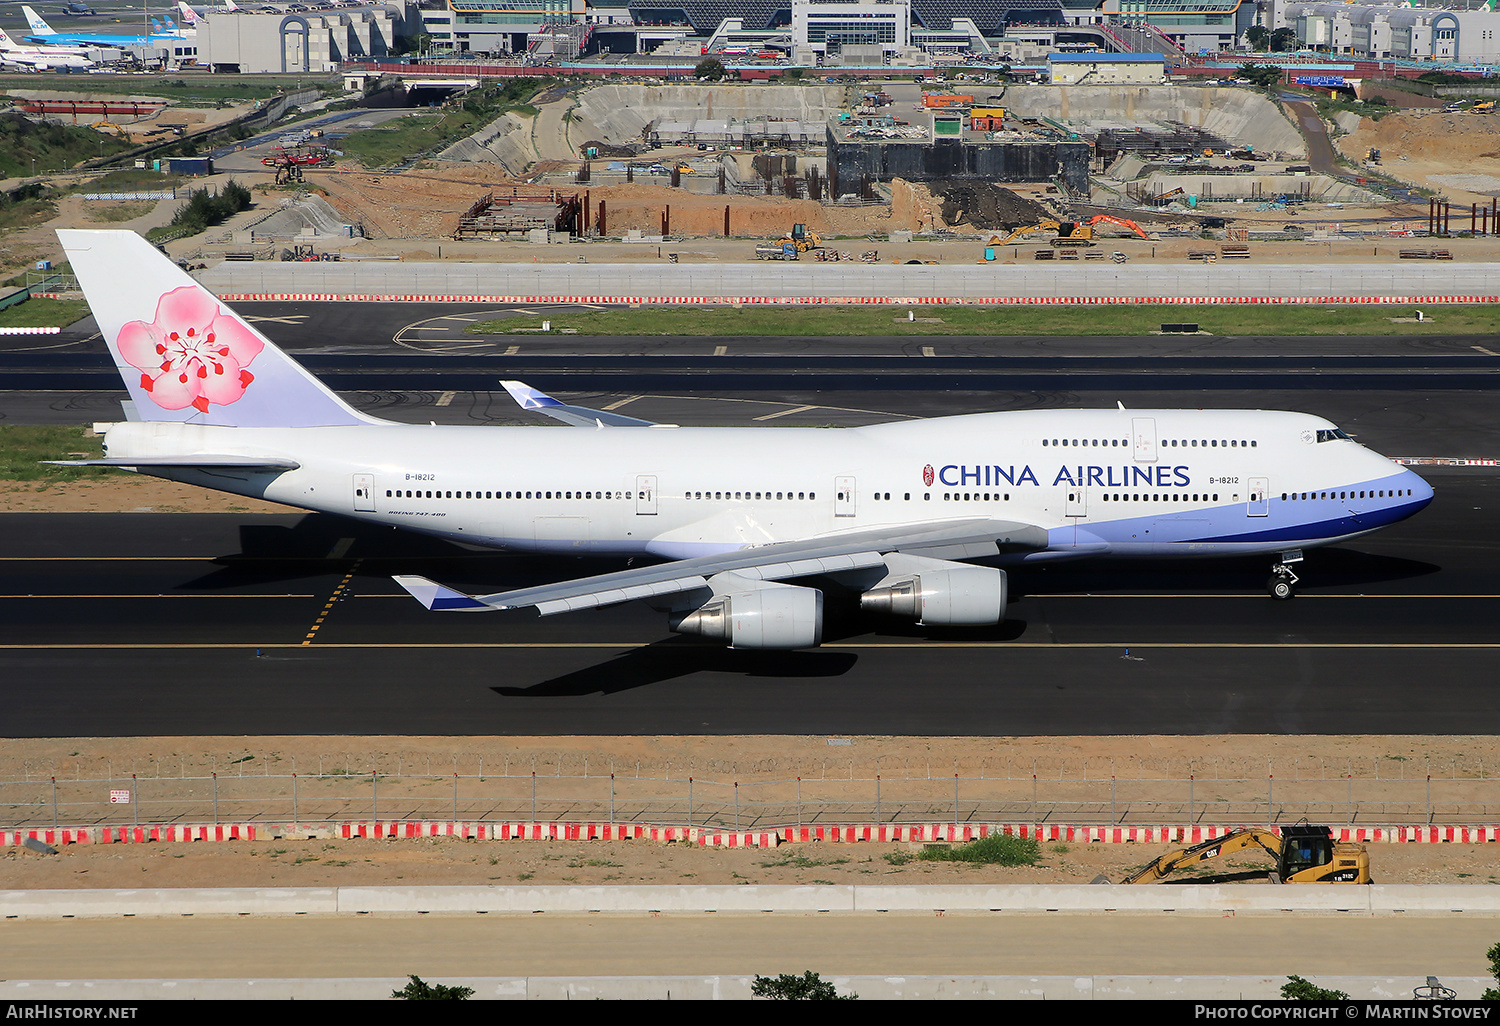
<point x="776" y="251"/>
<point x="1303" y="854"/>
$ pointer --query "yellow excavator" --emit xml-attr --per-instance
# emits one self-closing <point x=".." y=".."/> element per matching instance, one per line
<point x="1068" y="233"/>
<point x="1303" y="854"/>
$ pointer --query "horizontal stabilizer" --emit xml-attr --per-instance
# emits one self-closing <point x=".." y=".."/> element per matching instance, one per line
<point x="529" y="398"/>
<point x="435" y="596"/>
<point x="196" y="462"/>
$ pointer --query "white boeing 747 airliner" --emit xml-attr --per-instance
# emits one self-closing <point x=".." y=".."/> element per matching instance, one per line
<point x="918" y="518"/>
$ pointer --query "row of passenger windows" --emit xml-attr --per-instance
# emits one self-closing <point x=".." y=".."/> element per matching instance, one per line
<point x="1311" y="496"/>
<point x="1159" y="497"/>
<point x="419" y="494"/>
<point x="753" y="496"/>
<point x="1173" y="443"/>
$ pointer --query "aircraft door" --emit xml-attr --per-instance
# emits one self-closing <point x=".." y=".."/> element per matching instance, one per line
<point x="1078" y="502"/>
<point x="364" y="493"/>
<point x="843" y="496"/>
<point x="645" y="495"/>
<point x="1143" y="433"/>
<point x="1259" y="502"/>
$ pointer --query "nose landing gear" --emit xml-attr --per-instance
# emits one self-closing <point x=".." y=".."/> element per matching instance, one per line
<point x="1282" y="582"/>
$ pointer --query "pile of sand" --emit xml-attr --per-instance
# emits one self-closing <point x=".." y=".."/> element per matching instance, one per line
<point x="985" y="205"/>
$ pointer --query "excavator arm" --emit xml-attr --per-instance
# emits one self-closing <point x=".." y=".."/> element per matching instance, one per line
<point x="1041" y="226"/>
<point x="1122" y="222"/>
<point x="1199" y="853"/>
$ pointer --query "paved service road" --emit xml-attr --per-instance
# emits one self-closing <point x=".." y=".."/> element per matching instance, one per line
<point x="773" y="279"/>
<point x="440" y="948"/>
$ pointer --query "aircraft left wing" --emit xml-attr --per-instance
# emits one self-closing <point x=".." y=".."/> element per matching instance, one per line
<point x="949" y="539"/>
<point x="529" y="398"/>
<point x="197" y="461"/>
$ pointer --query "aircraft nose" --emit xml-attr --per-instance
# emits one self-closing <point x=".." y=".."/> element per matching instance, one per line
<point x="1421" y="491"/>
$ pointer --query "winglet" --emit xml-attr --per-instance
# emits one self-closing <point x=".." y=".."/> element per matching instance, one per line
<point x="529" y="398"/>
<point x="435" y="596"/>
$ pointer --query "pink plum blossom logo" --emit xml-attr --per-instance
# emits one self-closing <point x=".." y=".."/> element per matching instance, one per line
<point x="191" y="355"/>
<point x="927" y="475"/>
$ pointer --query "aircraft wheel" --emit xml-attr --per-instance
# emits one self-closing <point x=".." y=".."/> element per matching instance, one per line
<point x="1280" y="588"/>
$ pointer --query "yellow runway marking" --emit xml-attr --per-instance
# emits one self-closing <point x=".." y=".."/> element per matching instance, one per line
<point x="337" y="593"/>
<point x="1155" y="645"/>
<point x="786" y="413"/>
<point x="160" y="595"/>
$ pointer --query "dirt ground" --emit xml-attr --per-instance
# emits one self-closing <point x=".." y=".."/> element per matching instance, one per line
<point x="1456" y="155"/>
<point x="329" y="862"/>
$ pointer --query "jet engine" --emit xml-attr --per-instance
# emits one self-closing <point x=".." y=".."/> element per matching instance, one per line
<point x="749" y="613"/>
<point x="935" y="591"/>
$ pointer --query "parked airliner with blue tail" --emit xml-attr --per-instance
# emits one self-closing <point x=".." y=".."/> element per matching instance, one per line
<point x="163" y="32"/>
<point x="920" y="519"/>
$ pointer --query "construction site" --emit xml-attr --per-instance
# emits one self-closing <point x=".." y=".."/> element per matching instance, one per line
<point x="671" y="163"/>
<point x="920" y="168"/>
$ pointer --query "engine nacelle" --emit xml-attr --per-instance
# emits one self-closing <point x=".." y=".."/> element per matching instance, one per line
<point x="947" y="593"/>
<point x="761" y="614"/>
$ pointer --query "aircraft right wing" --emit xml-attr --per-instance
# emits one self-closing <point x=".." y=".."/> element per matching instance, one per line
<point x="529" y="398"/>
<point x="949" y="539"/>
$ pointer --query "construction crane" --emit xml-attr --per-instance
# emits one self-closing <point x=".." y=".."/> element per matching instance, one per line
<point x="1303" y="854"/>
<point x="290" y="162"/>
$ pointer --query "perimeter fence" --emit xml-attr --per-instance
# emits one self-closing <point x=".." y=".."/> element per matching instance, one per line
<point x="333" y="789"/>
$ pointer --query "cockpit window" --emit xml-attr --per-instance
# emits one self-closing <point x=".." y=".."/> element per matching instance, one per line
<point x="1329" y="434"/>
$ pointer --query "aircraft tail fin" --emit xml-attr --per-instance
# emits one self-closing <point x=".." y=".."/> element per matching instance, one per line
<point x="6" y="43"/>
<point x="34" y="19"/>
<point x="184" y="355"/>
<point x="230" y="5"/>
<point x="188" y="14"/>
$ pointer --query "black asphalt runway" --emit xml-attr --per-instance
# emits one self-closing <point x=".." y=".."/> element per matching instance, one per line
<point x="424" y="346"/>
<point x="182" y="624"/>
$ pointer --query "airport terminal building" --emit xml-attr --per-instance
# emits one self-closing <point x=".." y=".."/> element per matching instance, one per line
<point x="316" y="38"/>
<point x="1385" y="31"/>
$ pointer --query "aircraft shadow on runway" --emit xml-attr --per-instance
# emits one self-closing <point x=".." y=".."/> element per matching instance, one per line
<point x="317" y="543"/>
<point x="672" y="658"/>
<point x="1324" y="568"/>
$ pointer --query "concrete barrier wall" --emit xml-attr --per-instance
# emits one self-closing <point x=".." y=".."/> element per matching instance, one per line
<point x="1375" y="899"/>
<point x="735" y="988"/>
<point x="778" y="282"/>
<point x="618" y="113"/>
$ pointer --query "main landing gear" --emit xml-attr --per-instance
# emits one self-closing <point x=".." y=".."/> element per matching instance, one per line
<point x="1283" y="579"/>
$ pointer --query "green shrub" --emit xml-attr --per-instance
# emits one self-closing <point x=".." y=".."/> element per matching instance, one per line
<point x="807" y="987"/>
<point x="1298" y="989"/>
<point x="994" y="850"/>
